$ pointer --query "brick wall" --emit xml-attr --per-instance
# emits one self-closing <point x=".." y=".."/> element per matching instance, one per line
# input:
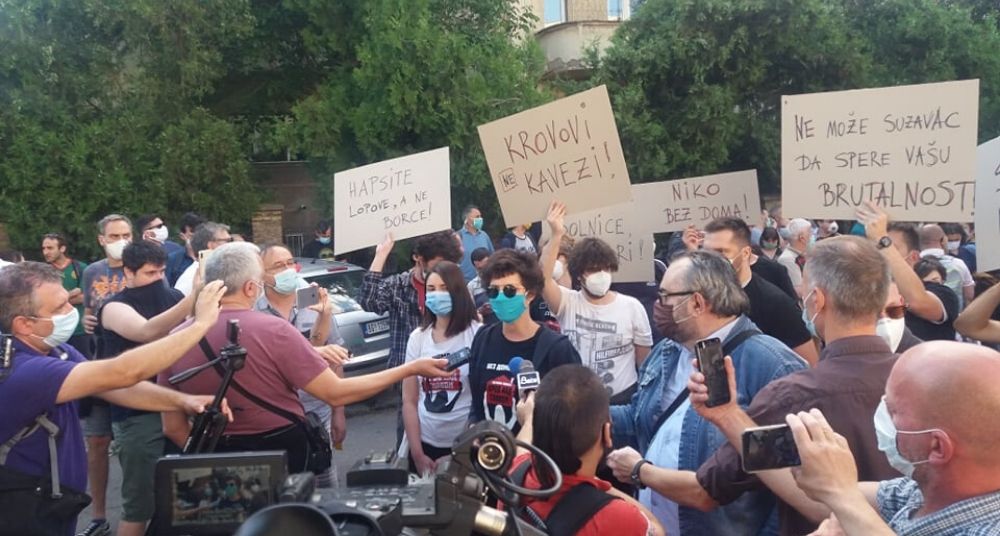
<point x="267" y="224"/>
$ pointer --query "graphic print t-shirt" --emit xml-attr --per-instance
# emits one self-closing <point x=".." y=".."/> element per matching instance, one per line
<point x="101" y="282"/>
<point x="494" y="388"/>
<point x="443" y="407"/>
<point x="606" y="335"/>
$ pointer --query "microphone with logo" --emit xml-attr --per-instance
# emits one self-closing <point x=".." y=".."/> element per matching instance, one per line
<point x="527" y="377"/>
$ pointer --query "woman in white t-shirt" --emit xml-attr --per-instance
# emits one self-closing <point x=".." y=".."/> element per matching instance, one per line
<point x="436" y="410"/>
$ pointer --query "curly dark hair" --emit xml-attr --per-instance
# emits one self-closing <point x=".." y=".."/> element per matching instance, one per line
<point x="508" y="262"/>
<point x="441" y="245"/>
<point x="591" y="255"/>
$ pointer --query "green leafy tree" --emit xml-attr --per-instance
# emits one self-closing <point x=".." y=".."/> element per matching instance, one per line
<point x="696" y="83"/>
<point x="415" y="75"/>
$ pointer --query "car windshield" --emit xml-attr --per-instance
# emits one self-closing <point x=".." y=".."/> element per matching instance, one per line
<point x="343" y="286"/>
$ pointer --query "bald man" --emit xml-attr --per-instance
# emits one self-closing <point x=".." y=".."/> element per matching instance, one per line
<point x="933" y="243"/>
<point x="938" y="426"/>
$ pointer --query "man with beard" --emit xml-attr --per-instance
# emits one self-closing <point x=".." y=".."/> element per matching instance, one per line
<point x="700" y="298"/>
<point x="145" y="311"/>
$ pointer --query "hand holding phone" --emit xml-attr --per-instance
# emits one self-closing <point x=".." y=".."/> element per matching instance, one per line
<point x="712" y="365"/>
<point x="769" y="447"/>
<point x="306" y="297"/>
<point x="457" y="359"/>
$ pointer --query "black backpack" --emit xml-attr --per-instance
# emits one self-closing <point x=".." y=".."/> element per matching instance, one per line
<point x="578" y="506"/>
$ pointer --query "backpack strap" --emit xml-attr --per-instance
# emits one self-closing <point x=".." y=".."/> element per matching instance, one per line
<point x="727" y="349"/>
<point x="577" y="507"/>
<point x="77" y="273"/>
<point x="42" y="421"/>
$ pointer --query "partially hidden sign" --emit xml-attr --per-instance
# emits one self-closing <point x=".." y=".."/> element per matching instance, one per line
<point x="909" y="149"/>
<point x="567" y="150"/>
<point x="623" y="231"/>
<point x="674" y="205"/>
<point x="988" y="206"/>
<point x="407" y="196"/>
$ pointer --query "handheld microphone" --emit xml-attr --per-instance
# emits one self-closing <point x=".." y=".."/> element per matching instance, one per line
<point x="528" y="378"/>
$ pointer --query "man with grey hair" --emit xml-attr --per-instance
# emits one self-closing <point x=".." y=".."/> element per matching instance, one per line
<point x="846" y="283"/>
<point x="793" y="258"/>
<point x="101" y="280"/>
<point x="45" y="378"/>
<point x="700" y="298"/>
<point x="280" y="362"/>
<point x="208" y="235"/>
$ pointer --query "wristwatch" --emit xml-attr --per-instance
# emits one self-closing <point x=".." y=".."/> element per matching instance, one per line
<point x="635" y="473"/>
<point x="883" y="242"/>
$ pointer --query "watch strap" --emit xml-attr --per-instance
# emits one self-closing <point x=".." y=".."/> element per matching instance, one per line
<point x="636" y="469"/>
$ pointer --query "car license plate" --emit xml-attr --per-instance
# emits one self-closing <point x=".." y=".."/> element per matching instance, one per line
<point x="375" y="327"/>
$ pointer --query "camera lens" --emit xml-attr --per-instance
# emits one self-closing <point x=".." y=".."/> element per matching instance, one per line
<point x="491" y="455"/>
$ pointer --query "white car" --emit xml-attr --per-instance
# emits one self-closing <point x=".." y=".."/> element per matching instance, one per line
<point x="365" y="334"/>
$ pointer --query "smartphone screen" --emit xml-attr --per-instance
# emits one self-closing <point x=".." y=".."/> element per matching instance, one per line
<point x="306" y="297"/>
<point x="712" y="365"/>
<point x="769" y="447"/>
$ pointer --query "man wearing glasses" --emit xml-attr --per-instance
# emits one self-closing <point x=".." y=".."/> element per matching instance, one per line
<point x="513" y="279"/>
<point x="846" y="282"/>
<point x="208" y="235"/>
<point x="700" y="298"/>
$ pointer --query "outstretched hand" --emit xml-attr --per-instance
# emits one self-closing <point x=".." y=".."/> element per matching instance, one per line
<point x="556" y="218"/>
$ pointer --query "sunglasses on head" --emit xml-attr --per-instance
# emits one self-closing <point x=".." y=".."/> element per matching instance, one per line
<point x="895" y="312"/>
<point x="508" y="290"/>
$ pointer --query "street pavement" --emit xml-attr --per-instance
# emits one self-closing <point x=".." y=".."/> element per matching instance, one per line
<point x="371" y="427"/>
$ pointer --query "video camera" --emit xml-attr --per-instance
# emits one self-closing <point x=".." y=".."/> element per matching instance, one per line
<point x="379" y="499"/>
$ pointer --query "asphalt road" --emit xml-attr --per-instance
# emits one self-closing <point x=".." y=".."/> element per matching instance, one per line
<point x="371" y="427"/>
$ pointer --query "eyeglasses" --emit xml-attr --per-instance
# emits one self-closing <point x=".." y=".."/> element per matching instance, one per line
<point x="508" y="290"/>
<point x="664" y="295"/>
<point x="895" y="312"/>
<point x="226" y="239"/>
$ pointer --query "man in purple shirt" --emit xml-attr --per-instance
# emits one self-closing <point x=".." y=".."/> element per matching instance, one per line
<point x="47" y="376"/>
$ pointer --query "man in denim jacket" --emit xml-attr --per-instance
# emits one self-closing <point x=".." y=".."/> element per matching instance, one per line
<point x="700" y="298"/>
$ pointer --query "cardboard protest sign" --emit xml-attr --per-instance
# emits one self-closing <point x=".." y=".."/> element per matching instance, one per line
<point x="988" y="206"/>
<point x="622" y="230"/>
<point x="673" y="205"/>
<point x="408" y="196"/>
<point x="567" y="150"/>
<point x="909" y="149"/>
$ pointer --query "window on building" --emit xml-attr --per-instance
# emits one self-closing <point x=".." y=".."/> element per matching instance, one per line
<point x="555" y="11"/>
<point x="618" y="9"/>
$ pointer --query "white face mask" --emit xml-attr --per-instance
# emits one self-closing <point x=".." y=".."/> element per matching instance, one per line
<point x="954" y="245"/>
<point x="891" y="330"/>
<point x="598" y="283"/>
<point x="161" y="233"/>
<point x="559" y="270"/>
<point x="886" y="433"/>
<point x="115" y="249"/>
<point x="63" y="327"/>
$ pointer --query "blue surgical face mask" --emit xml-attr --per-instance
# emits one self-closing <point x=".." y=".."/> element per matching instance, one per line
<point x="439" y="303"/>
<point x="810" y="322"/>
<point x="477" y="223"/>
<point x="508" y="309"/>
<point x="63" y="327"/>
<point x="325" y="240"/>
<point x="885" y="431"/>
<point x="286" y="282"/>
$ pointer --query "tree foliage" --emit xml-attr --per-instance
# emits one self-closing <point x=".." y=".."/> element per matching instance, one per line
<point x="696" y="83"/>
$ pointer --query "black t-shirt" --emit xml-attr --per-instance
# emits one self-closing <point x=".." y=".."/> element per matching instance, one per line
<point x="494" y="390"/>
<point x="929" y="331"/>
<point x="775" y="313"/>
<point x="149" y="301"/>
<point x="776" y="274"/>
<point x="317" y="250"/>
